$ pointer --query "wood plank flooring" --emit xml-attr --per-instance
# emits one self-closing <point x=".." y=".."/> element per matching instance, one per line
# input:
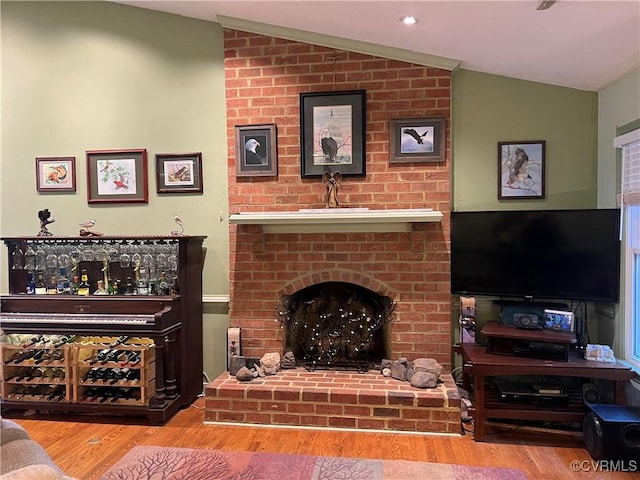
<point x="85" y="447"/>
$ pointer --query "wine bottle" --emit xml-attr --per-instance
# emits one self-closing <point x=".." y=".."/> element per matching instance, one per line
<point x="111" y="376"/>
<point x="100" y="356"/>
<point x="122" y="393"/>
<point x="119" y="341"/>
<point x="90" y="376"/>
<point x="83" y="286"/>
<point x="130" y="357"/>
<point x="17" y="357"/>
<point x="56" y="356"/>
<point x="112" y="356"/>
<point x="57" y="393"/>
<point x="41" y="356"/>
<point x="25" y="373"/>
<point x="64" y="339"/>
<point x="15" y="374"/>
<point x="133" y="376"/>
<point x="28" y="354"/>
<point x="32" y="341"/>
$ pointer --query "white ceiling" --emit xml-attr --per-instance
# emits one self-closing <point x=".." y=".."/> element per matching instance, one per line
<point x="583" y="44"/>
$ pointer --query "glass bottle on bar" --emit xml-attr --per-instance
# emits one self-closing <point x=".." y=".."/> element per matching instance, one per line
<point x="162" y="287"/>
<point x="83" y="286"/>
<point x="142" y="281"/>
<point x="64" y="287"/>
<point x="52" y="285"/>
<point x="74" y="285"/>
<point x="31" y="284"/>
<point x="41" y="287"/>
<point x="101" y="290"/>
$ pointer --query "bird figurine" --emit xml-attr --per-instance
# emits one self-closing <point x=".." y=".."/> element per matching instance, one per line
<point x="251" y="156"/>
<point x="85" y="229"/>
<point x="332" y="182"/>
<point x="177" y="233"/>
<point x="45" y="219"/>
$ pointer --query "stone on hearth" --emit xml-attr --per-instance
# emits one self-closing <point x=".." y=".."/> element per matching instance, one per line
<point x="427" y="365"/>
<point x="385" y="363"/>
<point x="288" y="361"/>
<point x="244" y="375"/>
<point x="270" y="361"/>
<point x="398" y="371"/>
<point x="386" y="372"/>
<point x="424" y="380"/>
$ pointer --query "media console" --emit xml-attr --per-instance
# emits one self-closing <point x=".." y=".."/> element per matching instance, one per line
<point x="479" y="365"/>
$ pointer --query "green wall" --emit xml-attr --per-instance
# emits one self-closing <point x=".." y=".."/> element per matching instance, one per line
<point x="80" y="76"/>
<point x="488" y="109"/>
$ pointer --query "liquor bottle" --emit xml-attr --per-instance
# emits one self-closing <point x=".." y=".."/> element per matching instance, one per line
<point x="64" y="287"/>
<point x="162" y="287"/>
<point x="41" y="287"/>
<point x="174" y="289"/>
<point x="74" y="285"/>
<point x="31" y="284"/>
<point x="83" y="286"/>
<point x="52" y="286"/>
<point x="101" y="290"/>
<point x="142" y="283"/>
<point x="128" y="290"/>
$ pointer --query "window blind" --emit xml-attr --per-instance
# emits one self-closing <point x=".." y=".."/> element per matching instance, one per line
<point x="630" y="145"/>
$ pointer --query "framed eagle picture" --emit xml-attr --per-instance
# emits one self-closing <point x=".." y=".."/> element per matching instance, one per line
<point x="417" y="140"/>
<point x="256" y="150"/>
<point x="332" y="126"/>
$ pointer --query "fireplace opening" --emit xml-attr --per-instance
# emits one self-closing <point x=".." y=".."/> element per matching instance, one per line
<point x="336" y="325"/>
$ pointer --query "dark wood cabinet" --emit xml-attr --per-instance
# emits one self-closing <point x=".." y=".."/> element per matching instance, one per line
<point x="171" y="324"/>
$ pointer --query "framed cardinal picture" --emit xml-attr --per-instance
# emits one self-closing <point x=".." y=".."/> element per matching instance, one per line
<point x="117" y="176"/>
<point x="417" y="140"/>
<point x="256" y="151"/>
<point x="332" y="126"/>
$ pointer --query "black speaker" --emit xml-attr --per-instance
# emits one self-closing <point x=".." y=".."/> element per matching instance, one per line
<point x="527" y="321"/>
<point x="612" y="432"/>
<point x="590" y="393"/>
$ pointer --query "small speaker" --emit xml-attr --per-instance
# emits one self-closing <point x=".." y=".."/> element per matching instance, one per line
<point x="612" y="432"/>
<point x="590" y="393"/>
<point x="527" y="321"/>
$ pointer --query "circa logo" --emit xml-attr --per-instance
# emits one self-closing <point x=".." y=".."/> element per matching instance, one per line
<point x="82" y="307"/>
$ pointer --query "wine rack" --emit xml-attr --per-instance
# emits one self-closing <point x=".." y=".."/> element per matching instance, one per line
<point x="61" y="375"/>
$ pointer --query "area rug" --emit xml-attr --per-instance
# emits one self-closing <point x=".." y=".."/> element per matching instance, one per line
<point x="162" y="463"/>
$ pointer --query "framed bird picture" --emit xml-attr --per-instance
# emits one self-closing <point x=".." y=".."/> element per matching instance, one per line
<point x="333" y="128"/>
<point x="521" y="170"/>
<point x="117" y="176"/>
<point x="179" y="172"/>
<point x="56" y="174"/>
<point x="256" y="150"/>
<point x="417" y="140"/>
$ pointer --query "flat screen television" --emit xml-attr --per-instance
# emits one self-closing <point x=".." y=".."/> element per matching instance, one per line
<point x="547" y="254"/>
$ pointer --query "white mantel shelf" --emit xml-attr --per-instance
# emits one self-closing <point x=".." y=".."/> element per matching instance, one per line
<point x="332" y="220"/>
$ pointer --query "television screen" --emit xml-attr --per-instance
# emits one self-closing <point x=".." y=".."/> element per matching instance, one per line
<point x="555" y="254"/>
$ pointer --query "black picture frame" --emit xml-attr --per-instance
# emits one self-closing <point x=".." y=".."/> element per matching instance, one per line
<point x="521" y="170"/>
<point x="256" y="150"/>
<point x="340" y="118"/>
<point x="417" y="140"/>
<point x="117" y="176"/>
<point x="179" y="172"/>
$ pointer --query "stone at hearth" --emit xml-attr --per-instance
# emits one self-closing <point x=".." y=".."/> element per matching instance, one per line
<point x="244" y="375"/>
<point x="270" y="371"/>
<point x="399" y="371"/>
<point x="427" y="365"/>
<point x="385" y="363"/>
<point x="424" y="380"/>
<point x="237" y="362"/>
<point x="410" y="373"/>
<point x="386" y="372"/>
<point x="288" y="361"/>
<point x="270" y="361"/>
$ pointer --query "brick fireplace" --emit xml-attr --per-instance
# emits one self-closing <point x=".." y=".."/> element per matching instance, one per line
<point x="263" y="79"/>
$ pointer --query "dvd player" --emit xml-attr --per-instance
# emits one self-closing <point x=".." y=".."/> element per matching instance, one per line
<point x="513" y="391"/>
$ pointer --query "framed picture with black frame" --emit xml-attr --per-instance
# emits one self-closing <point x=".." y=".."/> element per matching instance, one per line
<point x="333" y="129"/>
<point x="256" y="150"/>
<point x="417" y="140"/>
<point x="117" y="176"/>
<point x="179" y="172"/>
<point x="521" y="166"/>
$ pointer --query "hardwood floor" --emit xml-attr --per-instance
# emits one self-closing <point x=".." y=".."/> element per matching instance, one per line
<point x="86" y="447"/>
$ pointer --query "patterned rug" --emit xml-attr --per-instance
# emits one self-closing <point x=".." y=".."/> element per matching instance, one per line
<point x="163" y="463"/>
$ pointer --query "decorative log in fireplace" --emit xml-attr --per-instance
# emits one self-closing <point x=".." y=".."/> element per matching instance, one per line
<point x="336" y="325"/>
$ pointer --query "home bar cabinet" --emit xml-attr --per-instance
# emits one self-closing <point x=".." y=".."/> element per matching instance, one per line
<point x="161" y="327"/>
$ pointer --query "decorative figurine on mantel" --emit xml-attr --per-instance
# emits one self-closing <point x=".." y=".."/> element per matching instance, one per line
<point x="177" y="233"/>
<point x="45" y="219"/>
<point x="332" y="182"/>
<point x="85" y="232"/>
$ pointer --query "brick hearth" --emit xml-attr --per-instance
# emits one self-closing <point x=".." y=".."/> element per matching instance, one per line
<point x="334" y="399"/>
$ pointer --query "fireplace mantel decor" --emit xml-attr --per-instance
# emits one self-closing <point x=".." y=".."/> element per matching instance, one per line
<point x="345" y="220"/>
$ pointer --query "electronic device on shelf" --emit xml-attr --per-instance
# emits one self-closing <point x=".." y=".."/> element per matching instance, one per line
<point x="527" y="321"/>
<point x="514" y="391"/>
<point x="559" y="320"/>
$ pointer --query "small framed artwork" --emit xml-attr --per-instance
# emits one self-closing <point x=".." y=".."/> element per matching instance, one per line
<point x="179" y="172"/>
<point x="56" y="174"/>
<point x="417" y="140"/>
<point x="333" y="128"/>
<point x="117" y="176"/>
<point x="521" y="170"/>
<point x="256" y="151"/>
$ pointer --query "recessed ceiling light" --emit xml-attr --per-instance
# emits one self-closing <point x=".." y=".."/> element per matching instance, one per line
<point x="409" y="20"/>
